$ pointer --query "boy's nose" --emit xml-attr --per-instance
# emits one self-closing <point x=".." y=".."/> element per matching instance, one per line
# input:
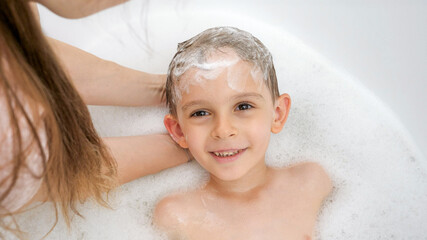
<point x="223" y="128"/>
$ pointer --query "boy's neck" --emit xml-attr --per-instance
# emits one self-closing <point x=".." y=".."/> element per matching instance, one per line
<point x="253" y="180"/>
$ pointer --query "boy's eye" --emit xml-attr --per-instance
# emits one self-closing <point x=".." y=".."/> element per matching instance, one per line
<point x="199" y="114"/>
<point x="243" y="106"/>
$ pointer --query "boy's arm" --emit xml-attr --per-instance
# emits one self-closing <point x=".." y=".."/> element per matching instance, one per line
<point x="102" y="82"/>
<point x="139" y="156"/>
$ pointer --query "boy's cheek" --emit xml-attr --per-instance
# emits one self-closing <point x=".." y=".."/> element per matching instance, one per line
<point x="257" y="124"/>
<point x="260" y="132"/>
<point x="194" y="140"/>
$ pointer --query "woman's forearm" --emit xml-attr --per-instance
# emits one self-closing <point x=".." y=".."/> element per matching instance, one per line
<point x="139" y="156"/>
<point x="102" y="82"/>
<point x="78" y="8"/>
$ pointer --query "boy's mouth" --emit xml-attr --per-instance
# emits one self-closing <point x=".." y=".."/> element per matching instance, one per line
<point x="227" y="155"/>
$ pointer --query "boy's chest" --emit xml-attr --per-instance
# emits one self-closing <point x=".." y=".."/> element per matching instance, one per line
<point x="272" y="218"/>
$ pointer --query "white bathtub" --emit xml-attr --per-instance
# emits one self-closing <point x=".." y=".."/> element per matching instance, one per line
<point x="356" y="74"/>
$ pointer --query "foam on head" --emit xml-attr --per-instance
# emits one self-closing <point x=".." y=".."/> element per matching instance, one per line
<point x="209" y="53"/>
<point x="222" y="61"/>
<point x="209" y="70"/>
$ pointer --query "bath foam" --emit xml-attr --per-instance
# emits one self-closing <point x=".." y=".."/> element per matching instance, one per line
<point x="200" y="73"/>
<point x="209" y="51"/>
<point x="380" y="178"/>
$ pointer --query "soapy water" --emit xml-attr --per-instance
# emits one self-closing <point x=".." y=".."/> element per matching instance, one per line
<point x="236" y="78"/>
<point x="226" y="44"/>
<point x="380" y="178"/>
<point x="202" y="72"/>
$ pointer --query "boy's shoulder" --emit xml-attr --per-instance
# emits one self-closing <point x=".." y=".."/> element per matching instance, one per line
<point x="175" y="209"/>
<point x="309" y="176"/>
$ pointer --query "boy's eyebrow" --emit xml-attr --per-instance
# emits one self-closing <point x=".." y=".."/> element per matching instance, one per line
<point x="248" y="95"/>
<point x="236" y="97"/>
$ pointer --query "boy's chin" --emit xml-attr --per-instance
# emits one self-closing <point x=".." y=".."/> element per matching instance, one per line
<point x="228" y="176"/>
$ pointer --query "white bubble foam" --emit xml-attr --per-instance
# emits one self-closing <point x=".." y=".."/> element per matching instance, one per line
<point x="380" y="179"/>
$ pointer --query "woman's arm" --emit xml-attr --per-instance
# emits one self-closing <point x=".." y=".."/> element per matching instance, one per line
<point x="139" y="156"/>
<point x="78" y="8"/>
<point x="102" y="82"/>
<point x="136" y="156"/>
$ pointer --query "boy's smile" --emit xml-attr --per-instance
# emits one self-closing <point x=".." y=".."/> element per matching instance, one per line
<point x="225" y="126"/>
<point x="226" y="156"/>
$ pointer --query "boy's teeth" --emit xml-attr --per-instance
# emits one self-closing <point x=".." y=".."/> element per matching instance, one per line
<point x="226" y="154"/>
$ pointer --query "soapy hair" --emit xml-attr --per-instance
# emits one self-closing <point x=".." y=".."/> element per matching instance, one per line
<point x="195" y="51"/>
<point x="77" y="165"/>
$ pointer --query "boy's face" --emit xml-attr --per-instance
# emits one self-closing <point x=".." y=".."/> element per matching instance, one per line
<point x="225" y="116"/>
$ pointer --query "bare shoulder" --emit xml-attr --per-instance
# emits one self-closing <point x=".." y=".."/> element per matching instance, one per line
<point x="313" y="177"/>
<point x="168" y="210"/>
<point x="174" y="210"/>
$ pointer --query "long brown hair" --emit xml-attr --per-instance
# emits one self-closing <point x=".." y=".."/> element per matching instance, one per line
<point x="77" y="165"/>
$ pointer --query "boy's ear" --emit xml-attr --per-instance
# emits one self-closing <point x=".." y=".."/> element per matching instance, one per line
<point x="281" y="111"/>
<point x="174" y="129"/>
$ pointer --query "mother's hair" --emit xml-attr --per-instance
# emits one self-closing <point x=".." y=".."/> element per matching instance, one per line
<point x="76" y="164"/>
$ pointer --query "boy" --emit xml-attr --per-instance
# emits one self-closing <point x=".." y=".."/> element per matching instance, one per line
<point x="224" y="102"/>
